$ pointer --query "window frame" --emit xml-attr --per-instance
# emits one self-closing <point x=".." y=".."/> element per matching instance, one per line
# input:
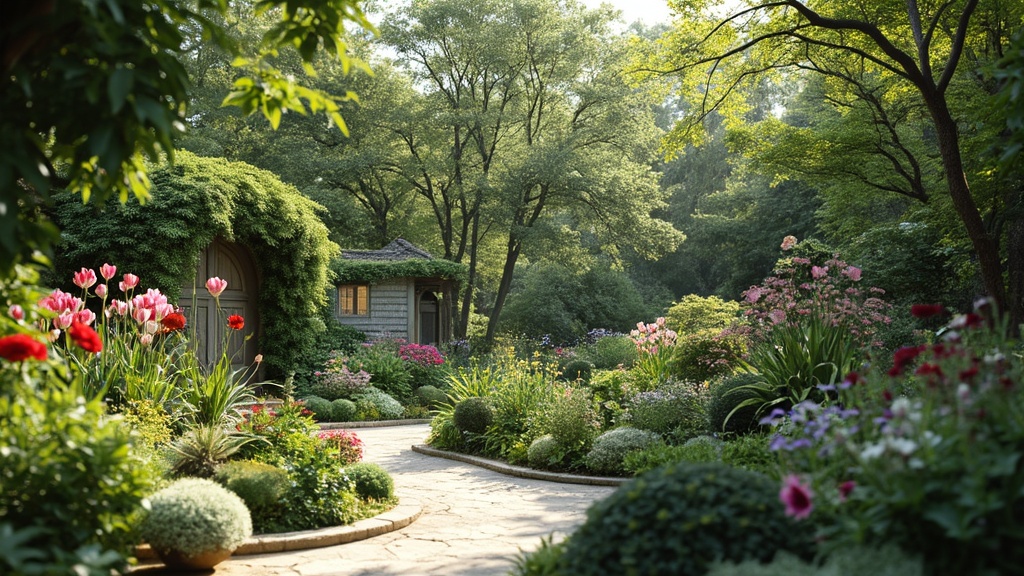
<point x="356" y="289"/>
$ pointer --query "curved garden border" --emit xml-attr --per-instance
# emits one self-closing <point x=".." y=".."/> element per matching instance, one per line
<point x="520" y="471"/>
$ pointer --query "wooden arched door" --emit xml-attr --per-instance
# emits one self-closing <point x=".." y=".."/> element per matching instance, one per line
<point x="233" y="263"/>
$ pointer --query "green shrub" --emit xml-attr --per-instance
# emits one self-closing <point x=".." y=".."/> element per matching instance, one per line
<point x="700" y="449"/>
<point x="473" y="415"/>
<point x="608" y="389"/>
<point x="430" y="396"/>
<point x="321" y="408"/>
<point x="387" y="407"/>
<point x="541" y="562"/>
<point x="751" y="452"/>
<point x="705" y="357"/>
<point x="695" y="314"/>
<point x="70" y="480"/>
<point x="320" y="495"/>
<point x="578" y="370"/>
<point x="680" y="518"/>
<point x="678" y="408"/>
<point x="611" y="352"/>
<point x="544" y="452"/>
<point x="614" y="445"/>
<point x="343" y="410"/>
<point x="366" y="410"/>
<point x="726" y="395"/>
<point x="371" y="481"/>
<point x="570" y="417"/>
<point x="848" y="561"/>
<point x="261" y="486"/>
<point x="388" y="372"/>
<point x="193" y="516"/>
<point x="338" y="340"/>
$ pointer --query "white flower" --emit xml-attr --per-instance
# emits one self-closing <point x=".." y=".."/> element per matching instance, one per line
<point x="903" y="446"/>
<point x="872" y="451"/>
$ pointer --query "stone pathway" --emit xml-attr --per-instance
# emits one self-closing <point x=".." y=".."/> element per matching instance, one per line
<point x="474" y="521"/>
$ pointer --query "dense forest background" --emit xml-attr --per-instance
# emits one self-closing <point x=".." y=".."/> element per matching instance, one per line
<point x="590" y="173"/>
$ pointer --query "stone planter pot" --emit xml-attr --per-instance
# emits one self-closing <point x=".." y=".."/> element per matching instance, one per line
<point x="204" y="561"/>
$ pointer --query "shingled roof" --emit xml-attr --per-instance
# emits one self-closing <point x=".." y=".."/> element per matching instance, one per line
<point x="397" y="251"/>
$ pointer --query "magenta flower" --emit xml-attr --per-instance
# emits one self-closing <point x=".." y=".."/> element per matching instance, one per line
<point x="16" y="312"/>
<point x="797" y="497"/>
<point x="819" y="272"/>
<point x="845" y="488"/>
<point x="108" y="271"/>
<point x="216" y="286"/>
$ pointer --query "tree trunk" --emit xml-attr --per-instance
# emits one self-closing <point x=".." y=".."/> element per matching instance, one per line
<point x="986" y="245"/>
<point x="515" y="246"/>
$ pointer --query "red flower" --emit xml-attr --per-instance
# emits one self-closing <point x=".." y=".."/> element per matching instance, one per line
<point x="18" y="347"/>
<point x="173" y="321"/>
<point x="845" y="488"/>
<point x="86" y="338"/>
<point x="236" y="322"/>
<point x="902" y="357"/>
<point x="926" y="310"/>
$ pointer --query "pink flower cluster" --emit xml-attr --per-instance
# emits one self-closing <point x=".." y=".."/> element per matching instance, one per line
<point x="422" y="354"/>
<point x="649" y="338"/>
<point x="829" y="291"/>
<point x="350" y="447"/>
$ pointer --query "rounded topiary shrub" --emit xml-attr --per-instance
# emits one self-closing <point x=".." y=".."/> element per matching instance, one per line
<point x="578" y="370"/>
<point x="320" y="407"/>
<point x="261" y="486"/>
<point x="430" y="396"/>
<point x="343" y="410"/>
<point x="387" y="407"/>
<point x="473" y="415"/>
<point x="544" y="452"/>
<point x="193" y="516"/>
<point x="725" y="397"/>
<point x="613" y="446"/>
<point x="680" y="518"/>
<point x="371" y="481"/>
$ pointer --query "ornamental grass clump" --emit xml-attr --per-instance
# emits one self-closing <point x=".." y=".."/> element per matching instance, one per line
<point x="194" y="516"/>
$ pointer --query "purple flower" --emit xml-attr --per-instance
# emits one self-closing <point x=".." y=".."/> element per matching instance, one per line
<point x="797" y="497"/>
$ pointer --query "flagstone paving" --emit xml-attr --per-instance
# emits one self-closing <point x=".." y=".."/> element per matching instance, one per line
<point x="474" y="521"/>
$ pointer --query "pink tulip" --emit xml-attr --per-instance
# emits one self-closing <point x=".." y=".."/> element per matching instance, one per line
<point x="119" y="306"/>
<point x="216" y="286"/>
<point x="63" y="321"/>
<point x="101" y="290"/>
<point x="142" y="315"/>
<point x="85" y="316"/>
<point x="146" y="339"/>
<point x="108" y="271"/>
<point x="16" y="312"/>
<point x="84" y="278"/>
<point x="130" y="281"/>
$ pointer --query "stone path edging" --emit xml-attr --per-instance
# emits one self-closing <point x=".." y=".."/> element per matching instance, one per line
<point x="519" y="471"/>
<point x="402" y="515"/>
<point x="372" y="423"/>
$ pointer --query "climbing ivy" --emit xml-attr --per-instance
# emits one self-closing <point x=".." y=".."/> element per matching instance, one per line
<point x="348" y="271"/>
<point x="193" y="202"/>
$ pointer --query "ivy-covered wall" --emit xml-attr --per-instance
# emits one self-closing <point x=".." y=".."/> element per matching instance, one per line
<point x="350" y="271"/>
<point x="193" y="202"/>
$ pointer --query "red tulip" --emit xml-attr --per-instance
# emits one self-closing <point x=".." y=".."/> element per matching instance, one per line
<point x="18" y="347"/>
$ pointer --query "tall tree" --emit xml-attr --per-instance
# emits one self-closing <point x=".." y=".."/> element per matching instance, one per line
<point x="859" y="45"/>
<point x="538" y="118"/>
